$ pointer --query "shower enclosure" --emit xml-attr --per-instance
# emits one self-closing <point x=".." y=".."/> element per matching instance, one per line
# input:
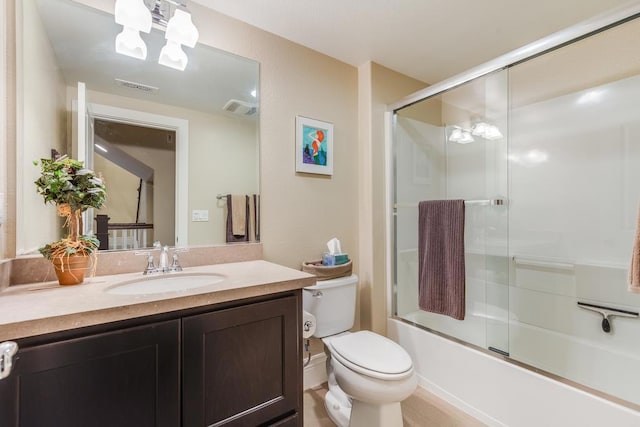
<point x="545" y="151"/>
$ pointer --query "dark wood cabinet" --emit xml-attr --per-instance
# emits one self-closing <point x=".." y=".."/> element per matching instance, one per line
<point x="124" y="378"/>
<point x="241" y="366"/>
<point x="237" y="364"/>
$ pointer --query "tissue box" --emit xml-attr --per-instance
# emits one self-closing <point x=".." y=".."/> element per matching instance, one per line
<point x="334" y="259"/>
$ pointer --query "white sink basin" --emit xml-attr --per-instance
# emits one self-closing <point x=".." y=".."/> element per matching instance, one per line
<point x="171" y="282"/>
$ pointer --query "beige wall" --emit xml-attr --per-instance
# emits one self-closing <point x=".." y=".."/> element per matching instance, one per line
<point x="163" y="163"/>
<point x="121" y="206"/>
<point x="6" y="218"/>
<point x="300" y="213"/>
<point x="379" y="87"/>
<point x="43" y="97"/>
<point x="224" y="161"/>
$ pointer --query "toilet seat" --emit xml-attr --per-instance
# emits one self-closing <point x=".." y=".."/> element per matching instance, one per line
<point x="372" y="355"/>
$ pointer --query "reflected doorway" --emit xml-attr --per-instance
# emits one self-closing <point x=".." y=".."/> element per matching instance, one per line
<point x="138" y="164"/>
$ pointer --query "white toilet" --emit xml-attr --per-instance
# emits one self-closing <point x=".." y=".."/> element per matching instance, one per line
<point x="369" y="375"/>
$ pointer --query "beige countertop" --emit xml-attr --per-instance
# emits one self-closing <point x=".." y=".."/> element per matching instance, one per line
<point x="39" y="308"/>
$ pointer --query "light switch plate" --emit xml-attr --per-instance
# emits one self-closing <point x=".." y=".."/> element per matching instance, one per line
<point x="199" y="215"/>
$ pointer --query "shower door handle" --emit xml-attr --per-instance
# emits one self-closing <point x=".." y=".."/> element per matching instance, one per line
<point x="8" y="349"/>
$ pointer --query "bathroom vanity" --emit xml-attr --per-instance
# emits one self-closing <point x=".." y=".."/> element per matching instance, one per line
<point x="224" y="355"/>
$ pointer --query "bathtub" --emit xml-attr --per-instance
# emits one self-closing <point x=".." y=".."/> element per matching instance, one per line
<point x="557" y="351"/>
<point x="501" y="393"/>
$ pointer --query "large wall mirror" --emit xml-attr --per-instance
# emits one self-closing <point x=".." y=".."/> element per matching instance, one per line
<point x="170" y="144"/>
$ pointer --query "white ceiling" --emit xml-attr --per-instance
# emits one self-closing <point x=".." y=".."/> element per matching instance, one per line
<point x="427" y="39"/>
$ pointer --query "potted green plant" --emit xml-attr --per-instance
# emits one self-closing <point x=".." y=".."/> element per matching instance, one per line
<point x="73" y="188"/>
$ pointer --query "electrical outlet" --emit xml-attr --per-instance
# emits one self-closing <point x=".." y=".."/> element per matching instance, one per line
<point x="199" y="215"/>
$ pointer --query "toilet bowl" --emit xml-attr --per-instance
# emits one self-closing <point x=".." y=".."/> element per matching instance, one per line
<point x="376" y="373"/>
<point x="368" y="374"/>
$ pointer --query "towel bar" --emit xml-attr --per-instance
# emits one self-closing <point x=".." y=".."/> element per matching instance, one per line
<point x="490" y="202"/>
<point x="224" y="196"/>
<point x="487" y="202"/>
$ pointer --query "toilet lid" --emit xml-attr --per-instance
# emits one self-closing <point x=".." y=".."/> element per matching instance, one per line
<point x="372" y="352"/>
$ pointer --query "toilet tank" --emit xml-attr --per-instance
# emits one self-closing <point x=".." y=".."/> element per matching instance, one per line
<point x="333" y="303"/>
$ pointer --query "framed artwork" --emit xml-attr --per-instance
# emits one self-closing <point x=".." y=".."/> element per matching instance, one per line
<point x="314" y="146"/>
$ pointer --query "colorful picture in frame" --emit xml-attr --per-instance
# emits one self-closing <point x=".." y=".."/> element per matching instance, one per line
<point x="314" y="146"/>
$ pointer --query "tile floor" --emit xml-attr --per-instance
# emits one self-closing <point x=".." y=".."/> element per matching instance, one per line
<point x="421" y="409"/>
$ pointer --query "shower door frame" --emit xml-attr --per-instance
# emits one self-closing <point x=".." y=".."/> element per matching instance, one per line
<point x="553" y="41"/>
<point x="547" y="44"/>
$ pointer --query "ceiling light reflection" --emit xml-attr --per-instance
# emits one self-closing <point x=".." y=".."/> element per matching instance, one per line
<point x="590" y="97"/>
<point x="530" y="158"/>
<point x="129" y="43"/>
<point x="173" y="56"/>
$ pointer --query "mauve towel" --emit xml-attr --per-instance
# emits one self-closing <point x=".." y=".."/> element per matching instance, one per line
<point x="251" y="223"/>
<point x="256" y="201"/>
<point x="441" y="272"/>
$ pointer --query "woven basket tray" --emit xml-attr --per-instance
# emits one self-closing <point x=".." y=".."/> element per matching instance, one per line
<point x="324" y="272"/>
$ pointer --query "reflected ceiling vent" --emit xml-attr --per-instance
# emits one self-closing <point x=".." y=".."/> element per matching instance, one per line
<point x="136" y="86"/>
<point x="240" y="107"/>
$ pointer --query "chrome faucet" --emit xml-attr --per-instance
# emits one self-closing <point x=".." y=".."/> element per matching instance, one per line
<point x="163" y="262"/>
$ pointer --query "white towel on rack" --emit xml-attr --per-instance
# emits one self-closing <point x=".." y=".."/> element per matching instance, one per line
<point x="239" y="214"/>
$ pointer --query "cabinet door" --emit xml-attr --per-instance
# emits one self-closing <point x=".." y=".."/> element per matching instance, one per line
<point x="242" y="366"/>
<point x="124" y="378"/>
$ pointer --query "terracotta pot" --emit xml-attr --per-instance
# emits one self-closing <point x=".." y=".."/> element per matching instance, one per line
<point x="71" y="269"/>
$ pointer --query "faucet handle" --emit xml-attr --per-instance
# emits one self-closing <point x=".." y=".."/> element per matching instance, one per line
<point x="174" y="263"/>
<point x="175" y="266"/>
<point x="150" y="268"/>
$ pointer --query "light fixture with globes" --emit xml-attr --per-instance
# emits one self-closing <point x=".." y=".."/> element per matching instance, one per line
<point x="460" y="135"/>
<point x="483" y="130"/>
<point x="486" y="131"/>
<point x="136" y="16"/>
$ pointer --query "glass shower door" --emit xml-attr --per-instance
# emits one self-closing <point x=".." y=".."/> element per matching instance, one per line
<point x="574" y="156"/>
<point x="454" y="146"/>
